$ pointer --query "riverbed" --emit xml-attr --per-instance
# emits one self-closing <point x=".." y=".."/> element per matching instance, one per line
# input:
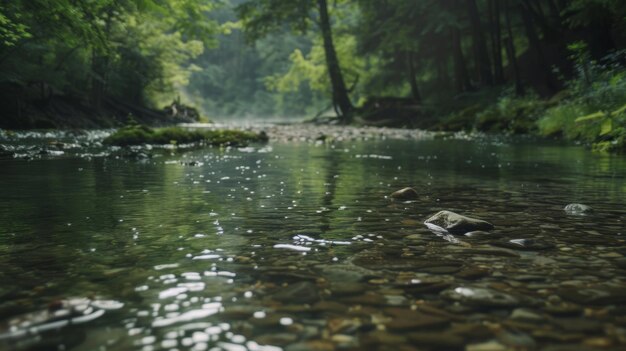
<point x="297" y="245"/>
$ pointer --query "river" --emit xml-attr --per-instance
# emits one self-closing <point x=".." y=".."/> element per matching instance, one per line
<point x="296" y="245"/>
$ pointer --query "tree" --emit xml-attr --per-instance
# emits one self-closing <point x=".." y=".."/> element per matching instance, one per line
<point x="260" y="17"/>
<point x="480" y="47"/>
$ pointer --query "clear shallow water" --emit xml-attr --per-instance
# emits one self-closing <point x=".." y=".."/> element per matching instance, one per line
<point x="296" y="246"/>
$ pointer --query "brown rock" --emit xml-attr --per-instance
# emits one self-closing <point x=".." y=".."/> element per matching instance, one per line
<point x="404" y="194"/>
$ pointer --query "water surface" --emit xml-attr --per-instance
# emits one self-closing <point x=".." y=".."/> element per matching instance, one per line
<point x="296" y="245"/>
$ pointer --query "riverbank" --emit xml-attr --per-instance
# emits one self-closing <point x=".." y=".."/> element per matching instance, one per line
<point x="38" y="106"/>
<point x="591" y="113"/>
<point x="590" y="110"/>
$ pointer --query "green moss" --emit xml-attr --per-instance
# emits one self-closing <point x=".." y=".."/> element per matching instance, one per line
<point x="138" y="135"/>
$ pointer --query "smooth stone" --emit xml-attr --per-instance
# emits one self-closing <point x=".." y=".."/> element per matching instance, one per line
<point x="344" y="341"/>
<point x="380" y="260"/>
<point x="405" y="194"/>
<point x="471" y="273"/>
<point x="598" y="296"/>
<point x="525" y="244"/>
<point x="302" y="292"/>
<point x="560" y="336"/>
<point x="329" y="306"/>
<point x="598" y="342"/>
<point x="370" y="299"/>
<point x="343" y="325"/>
<point x="347" y="289"/>
<point x="440" y="341"/>
<point x="405" y="320"/>
<point x="517" y="341"/>
<point x="472" y="331"/>
<point x="563" y="309"/>
<point x="457" y="224"/>
<point x="489" y="251"/>
<point x="483" y="297"/>
<point x="492" y="345"/>
<point x="526" y="315"/>
<point x="577" y="209"/>
<point x="578" y="325"/>
<point x="278" y="339"/>
<point x="478" y="234"/>
<point x="345" y="273"/>
<point x="426" y="288"/>
<point x="312" y="345"/>
<point x="380" y="337"/>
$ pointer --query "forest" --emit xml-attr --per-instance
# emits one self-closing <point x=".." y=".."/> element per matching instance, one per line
<point x="549" y="67"/>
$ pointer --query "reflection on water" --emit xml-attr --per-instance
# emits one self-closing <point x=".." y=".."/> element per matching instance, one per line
<point x="297" y="246"/>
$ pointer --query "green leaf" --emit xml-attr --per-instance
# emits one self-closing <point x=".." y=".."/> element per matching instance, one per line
<point x="591" y="117"/>
<point x="606" y="127"/>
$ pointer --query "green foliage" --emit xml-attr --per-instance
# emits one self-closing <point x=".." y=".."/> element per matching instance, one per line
<point x="511" y="114"/>
<point x="596" y="111"/>
<point x="137" y="51"/>
<point x="138" y="135"/>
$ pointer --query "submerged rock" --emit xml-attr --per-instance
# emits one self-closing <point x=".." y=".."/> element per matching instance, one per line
<point x="457" y="224"/>
<point x="58" y="314"/>
<point x="302" y="292"/>
<point x="6" y="151"/>
<point x="482" y="297"/>
<point x="525" y="244"/>
<point x="577" y="209"/>
<point x="405" y="320"/>
<point x="404" y="194"/>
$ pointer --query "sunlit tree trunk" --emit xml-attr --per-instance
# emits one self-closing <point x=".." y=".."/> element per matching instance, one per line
<point x="341" y="100"/>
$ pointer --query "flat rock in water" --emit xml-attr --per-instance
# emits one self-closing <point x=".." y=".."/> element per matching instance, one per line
<point x="457" y="224"/>
<point x="404" y="194"/>
<point x="577" y="209"/>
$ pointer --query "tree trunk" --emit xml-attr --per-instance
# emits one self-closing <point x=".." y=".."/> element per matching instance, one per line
<point x="415" y="93"/>
<point x="496" y="41"/>
<point x="511" y="54"/>
<point x="536" y="48"/>
<point x="341" y="100"/>
<point x="461" y="75"/>
<point x="480" y="47"/>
